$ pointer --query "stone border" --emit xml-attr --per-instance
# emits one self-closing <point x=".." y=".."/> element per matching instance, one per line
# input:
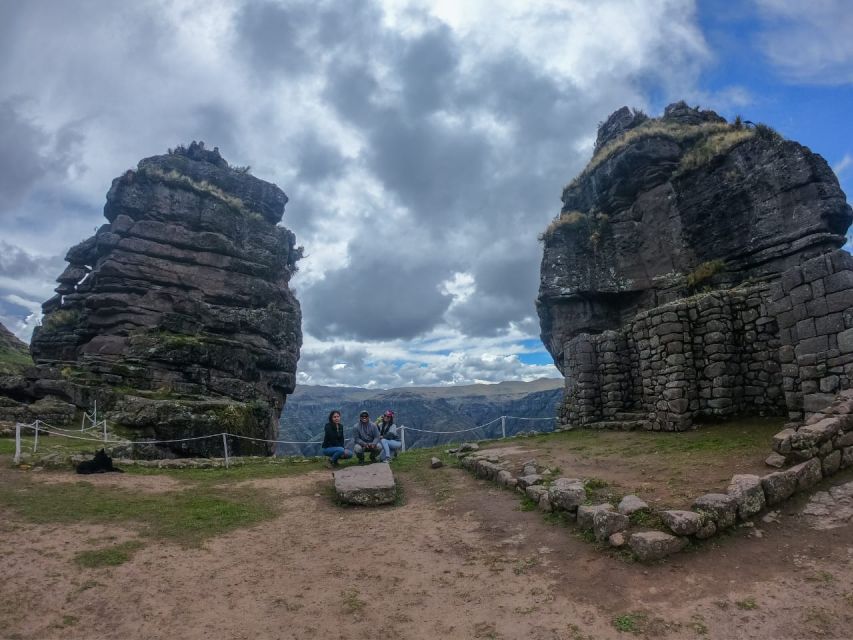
<point x="820" y="448"/>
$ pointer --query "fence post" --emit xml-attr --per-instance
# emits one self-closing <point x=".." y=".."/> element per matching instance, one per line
<point x="403" y="438"/>
<point x="36" y="439"/>
<point x="104" y="422"/>
<point x="503" y="426"/>
<point x="17" y="442"/>
<point x="225" y="448"/>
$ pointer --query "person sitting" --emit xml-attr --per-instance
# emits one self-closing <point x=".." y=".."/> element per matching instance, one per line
<point x="366" y="438"/>
<point x="390" y="437"/>
<point x="333" y="439"/>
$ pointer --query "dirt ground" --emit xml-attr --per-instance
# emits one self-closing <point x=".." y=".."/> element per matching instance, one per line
<point x="458" y="559"/>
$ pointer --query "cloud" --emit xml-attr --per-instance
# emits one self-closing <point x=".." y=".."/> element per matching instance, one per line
<point x="841" y="167"/>
<point x="416" y="140"/>
<point x="809" y="43"/>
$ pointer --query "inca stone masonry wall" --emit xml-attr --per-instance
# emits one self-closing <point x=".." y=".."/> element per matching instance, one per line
<point x="761" y="349"/>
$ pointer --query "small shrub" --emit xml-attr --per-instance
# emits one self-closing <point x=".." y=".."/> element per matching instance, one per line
<point x="704" y="272"/>
<point x="60" y="318"/>
<point x="766" y="132"/>
<point x="747" y="604"/>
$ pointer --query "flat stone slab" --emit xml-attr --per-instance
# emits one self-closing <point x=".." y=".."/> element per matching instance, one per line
<point x="368" y="486"/>
<point x="831" y="509"/>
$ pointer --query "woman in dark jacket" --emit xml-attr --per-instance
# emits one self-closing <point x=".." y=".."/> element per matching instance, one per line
<point x="333" y="439"/>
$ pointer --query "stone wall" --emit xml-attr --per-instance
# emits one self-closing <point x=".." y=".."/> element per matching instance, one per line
<point x="760" y="349"/>
<point x="813" y="306"/>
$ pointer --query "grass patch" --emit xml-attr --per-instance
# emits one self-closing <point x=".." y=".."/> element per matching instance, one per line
<point x="255" y="470"/>
<point x="747" y="604"/>
<point x="352" y="600"/>
<point x="185" y="517"/>
<point x="639" y="623"/>
<point x="109" y="556"/>
<point x="414" y="466"/>
<point x="12" y="361"/>
<point x="647" y="518"/>
<point x="526" y="504"/>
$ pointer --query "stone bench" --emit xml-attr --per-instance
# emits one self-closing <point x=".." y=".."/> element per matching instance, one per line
<point x="367" y="486"/>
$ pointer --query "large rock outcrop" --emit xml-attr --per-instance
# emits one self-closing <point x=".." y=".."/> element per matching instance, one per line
<point x="669" y="208"/>
<point x="176" y="315"/>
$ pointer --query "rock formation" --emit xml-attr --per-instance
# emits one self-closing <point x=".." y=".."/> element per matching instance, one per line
<point x="176" y="315"/>
<point x="668" y="210"/>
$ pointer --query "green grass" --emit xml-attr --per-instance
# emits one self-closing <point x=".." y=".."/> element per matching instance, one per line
<point x="742" y="436"/>
<point x="187" y="517"/>
<point x="630" y="622"/>
<point x="263" y="468"/>
<point x="13" y="361"/>
<point x="414" y="466"/>
<point x="747" y="604"/>
<point x="109" y="556"/>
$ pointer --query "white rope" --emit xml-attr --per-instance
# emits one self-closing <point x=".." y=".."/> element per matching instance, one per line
<point x="57" y="431"/>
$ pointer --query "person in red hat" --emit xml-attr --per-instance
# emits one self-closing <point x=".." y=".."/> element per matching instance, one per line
<point x="390" y="437"/>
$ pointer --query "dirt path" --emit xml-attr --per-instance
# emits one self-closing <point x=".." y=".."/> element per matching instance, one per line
<point x="471" y="566"/>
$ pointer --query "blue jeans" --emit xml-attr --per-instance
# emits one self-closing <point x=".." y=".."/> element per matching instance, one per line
<point x="388" y="446"/>
<point x="337" y="452"/>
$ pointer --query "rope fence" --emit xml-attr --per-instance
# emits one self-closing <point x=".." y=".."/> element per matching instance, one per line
<point x="42" y="427"/>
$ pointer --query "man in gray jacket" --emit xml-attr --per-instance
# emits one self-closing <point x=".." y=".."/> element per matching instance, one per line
<point x="367" y="438"/>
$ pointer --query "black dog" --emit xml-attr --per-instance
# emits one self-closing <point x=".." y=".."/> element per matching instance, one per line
<point x="101" y="463"/>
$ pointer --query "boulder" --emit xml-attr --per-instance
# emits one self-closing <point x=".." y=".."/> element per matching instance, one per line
<point x="682" y="523"/>
<point x="721" y="508"/>
<point x="831" y="463"/>
<point x="526" y="481"/>
<point x="586" y="514"/>
<point x="630" y="504"/>
<point x="775" y="460"/>
<point x="605" y="523"/>
<point x="748" y="494"/>
<point x="368" y="486"/>
<point x="567" y="494"/>
<point x="655" y="545"/>
<point x="435" y="463"/>
<point x="779" y="486"/>
<point x="808" y="474"/>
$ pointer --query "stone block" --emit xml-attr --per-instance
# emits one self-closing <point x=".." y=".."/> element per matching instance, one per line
<point x="775" y="460"/>
<point x="838" y="281"/>
<point x="535" y="491"/>
<point x="779" y="486"/>
<point x="845" y="341"/>
<point x="567" y="494"/>
<point x="846" y="457"/>
<point x="839" y="301"/>
<point x="808" y="474"/>
<point x="631" y="504"/>
<point x="820" y="431"/>
<point x="748" y="494"/>
<point x="816" y="401"/>
<point x="682" y="523"/>
<point x="655" y="545"/>
<point x="720" y="507"/>
<point x="368" y="486"/>
<point x="586" y="513"/>
<point x="435" y="463"/>
<point x="782" y="441"/>
<point x="831" y="463"/>
<point x="606" y="523"/>
<point x="530" y="480"/>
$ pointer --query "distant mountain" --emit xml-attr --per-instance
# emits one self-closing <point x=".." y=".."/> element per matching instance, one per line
<point x="423" y="408"/>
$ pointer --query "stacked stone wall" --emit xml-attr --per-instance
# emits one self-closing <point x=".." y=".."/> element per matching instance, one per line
<point x="711" y="355"/>
<point x="813" y="305"/>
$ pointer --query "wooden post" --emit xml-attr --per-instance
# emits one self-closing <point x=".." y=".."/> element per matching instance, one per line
<point x="503" y="426"/>
<point x="225" y="448"/>
<point x="403" y="438"/>
<point x="17" y="442"/>
<point x="104" y="422"/>
<point x="36" y="439"/>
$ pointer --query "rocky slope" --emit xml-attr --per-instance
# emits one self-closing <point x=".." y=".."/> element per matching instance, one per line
<point x="176" y="315"/>
<point x="432" y="408"/>
<point x="14" y="354"/>
<point x="673" y="205"/>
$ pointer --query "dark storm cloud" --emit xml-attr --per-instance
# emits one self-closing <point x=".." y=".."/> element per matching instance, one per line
<point x="22" y="162"/>
<point x="273" y="35"/>
<point x="428" y="63"/>
<point x="379" y="296"/>
<point x="506" y="280"/>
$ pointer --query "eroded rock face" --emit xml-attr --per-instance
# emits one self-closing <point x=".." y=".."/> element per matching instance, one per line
<point x="176" y="315"/>
<point x="671" y="204"/>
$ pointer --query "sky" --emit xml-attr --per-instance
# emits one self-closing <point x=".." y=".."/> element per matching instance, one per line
<point x="423" y="145"/>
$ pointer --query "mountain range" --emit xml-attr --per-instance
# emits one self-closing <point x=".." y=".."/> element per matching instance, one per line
<point x="462" y="410"/>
